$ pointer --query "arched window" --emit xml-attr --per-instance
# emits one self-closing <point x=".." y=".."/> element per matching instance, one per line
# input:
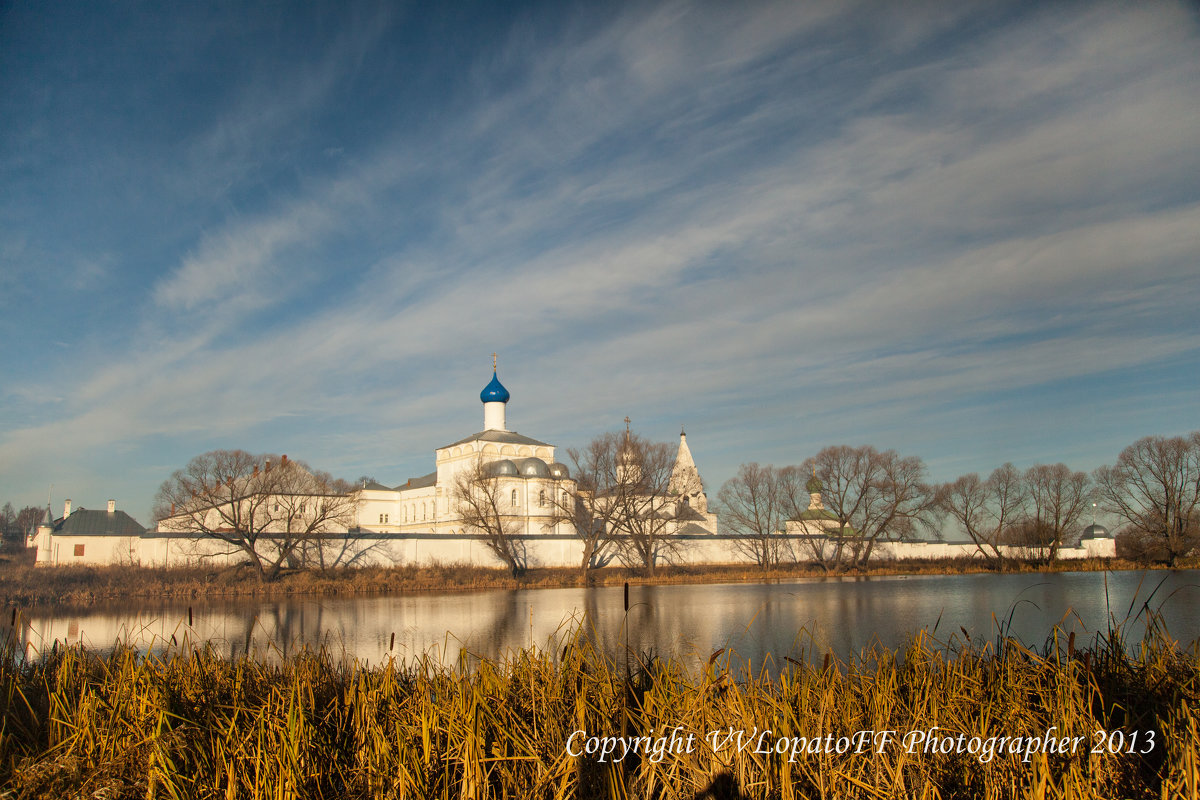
<point x="514" y="497"/>
<point x="542" y="497"/>
<point x="422" y="511"/>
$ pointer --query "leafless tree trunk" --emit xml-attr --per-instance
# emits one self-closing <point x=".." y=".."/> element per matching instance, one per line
<point x="480" y="500"/>
<point x="753" y="509"/>
<point x="1155" y="489"/>
<point x="266" y="507"/>
<point x="641" y="515"/>
<point x="875" y="496"/>
<point x="986" y="509"/>
<point x="1057" y="499"/>
<point x="585" y="507"/>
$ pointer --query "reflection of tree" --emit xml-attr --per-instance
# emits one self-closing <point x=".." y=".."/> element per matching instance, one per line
<point x="507" y="626"/>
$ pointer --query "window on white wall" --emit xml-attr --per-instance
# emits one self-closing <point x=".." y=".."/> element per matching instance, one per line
<point x="514" y="497"/>
<point x="542" y="497"/>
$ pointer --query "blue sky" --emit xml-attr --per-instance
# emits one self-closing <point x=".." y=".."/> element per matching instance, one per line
<point x="969" y="232"/>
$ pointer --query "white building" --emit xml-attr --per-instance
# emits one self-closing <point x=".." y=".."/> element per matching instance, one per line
<point x="416" y="521"/>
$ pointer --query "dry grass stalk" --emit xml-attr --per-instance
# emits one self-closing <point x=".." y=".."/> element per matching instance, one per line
<point x="189" y="724"/>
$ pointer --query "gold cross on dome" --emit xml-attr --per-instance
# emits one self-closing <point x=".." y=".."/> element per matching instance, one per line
<point x="493" y="362"/>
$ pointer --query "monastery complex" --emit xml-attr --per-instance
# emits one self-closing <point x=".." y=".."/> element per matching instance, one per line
<point x="418" y="522"/>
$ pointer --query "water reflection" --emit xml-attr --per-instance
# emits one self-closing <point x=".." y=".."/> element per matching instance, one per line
<point x="761" y="623"/>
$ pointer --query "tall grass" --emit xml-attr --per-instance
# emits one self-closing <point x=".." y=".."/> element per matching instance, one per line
<point x="187" y="723"/>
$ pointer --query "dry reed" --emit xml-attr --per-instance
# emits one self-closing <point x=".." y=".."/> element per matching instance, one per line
<point x="185" y="723"/>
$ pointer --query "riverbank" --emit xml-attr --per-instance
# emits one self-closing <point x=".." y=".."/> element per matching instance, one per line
<point x="1000" y="721"/>
<point x="24" y="585"/>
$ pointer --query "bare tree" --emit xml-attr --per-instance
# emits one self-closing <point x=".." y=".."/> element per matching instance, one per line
<point x="986" y="510"/>
<point x="1155" y="489"/>
<point x="8" y="523"/>
<point x="28" y="518"/>
<point x="479" y="497"/>
<point x="753" y="508"/>
<point x="266" y="507"/>
<point x="585" y="508"/>
<point x="1057" y="499"/>
<point x="635" y="502"/>
<point x="874" y="496"/>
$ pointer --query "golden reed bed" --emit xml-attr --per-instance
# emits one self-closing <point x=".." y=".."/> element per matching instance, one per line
<point x="955" y="719"/>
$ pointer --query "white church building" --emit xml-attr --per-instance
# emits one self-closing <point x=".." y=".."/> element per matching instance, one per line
<point x="416" y="522"/>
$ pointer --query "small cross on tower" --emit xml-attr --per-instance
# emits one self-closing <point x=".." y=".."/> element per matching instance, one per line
<point x="493" y="362"/>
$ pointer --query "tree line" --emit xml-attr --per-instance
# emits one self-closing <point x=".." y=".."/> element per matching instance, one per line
<point x="873" y="497"/>
<point x="623" y="508"/>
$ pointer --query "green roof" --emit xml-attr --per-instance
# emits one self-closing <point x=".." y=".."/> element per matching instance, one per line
<point x="84" y="522"/>
<point x="816" y="513"/>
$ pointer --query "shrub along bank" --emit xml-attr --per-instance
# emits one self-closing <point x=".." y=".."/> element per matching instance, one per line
<point x="25" y="585"/>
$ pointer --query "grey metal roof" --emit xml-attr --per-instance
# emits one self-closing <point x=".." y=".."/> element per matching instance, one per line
<point x="376" y="486"/>
<point x="84" y="522"/>
<point x="419" y="483"/>
<point x="504" y="437"/>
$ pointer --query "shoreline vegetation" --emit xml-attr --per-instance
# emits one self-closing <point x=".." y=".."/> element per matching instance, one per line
<point x="995" y="719"/>
<point x="23" y="585"/>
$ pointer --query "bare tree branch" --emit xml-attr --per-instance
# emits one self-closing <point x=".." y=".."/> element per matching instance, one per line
<point x="266" y="507"/>
<point x="1155" y="489"/>
<point x="480" y="501"/>
<point x="753" y="508"/>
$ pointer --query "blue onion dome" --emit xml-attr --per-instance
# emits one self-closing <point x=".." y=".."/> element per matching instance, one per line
<point x="502" y="469"/>
<point x="559" y="470"/>
<point x="494" y="392"/>
<point x="534" y="468"/>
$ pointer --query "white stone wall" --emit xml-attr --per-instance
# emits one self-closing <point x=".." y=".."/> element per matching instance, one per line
<point x="428" y="547"/>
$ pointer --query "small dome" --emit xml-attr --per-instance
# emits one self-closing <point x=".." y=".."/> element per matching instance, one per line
<point x="1095" y="532"/>
<point x="502" y="469"/>
<point x="494" y="392"/>
<point x="814" y="485"/>
<point x="559" y="470"/>
<point x="535" y="468"/>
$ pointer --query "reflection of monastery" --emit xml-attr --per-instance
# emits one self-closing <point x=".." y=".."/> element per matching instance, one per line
<point x="417" y="522"/>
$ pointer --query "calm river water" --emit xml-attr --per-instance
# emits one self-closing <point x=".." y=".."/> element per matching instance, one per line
<point x="759" y="622"/>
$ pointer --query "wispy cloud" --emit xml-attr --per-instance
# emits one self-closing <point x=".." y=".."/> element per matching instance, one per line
<point x="683" y="211"/>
